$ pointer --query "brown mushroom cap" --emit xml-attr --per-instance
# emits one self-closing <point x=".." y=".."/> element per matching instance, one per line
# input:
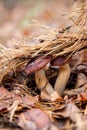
<point x="37" y="65"/>
<point x="58" y="61"/>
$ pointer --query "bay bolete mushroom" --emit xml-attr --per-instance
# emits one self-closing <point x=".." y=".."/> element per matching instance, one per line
<point x="63" y="76"/>
<point x="42" y="82"/>
<point x="37" y="65"/>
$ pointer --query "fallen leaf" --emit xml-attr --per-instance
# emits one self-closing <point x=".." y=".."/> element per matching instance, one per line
<point x="4" y="93"/>
<point x="36" y="117"/>
<point x="81" y="79"/>
<point x="82" y="96"/>
<point x="29" y="100"/>
<point x="73" y="112"/>
<point x="7" y="98"/>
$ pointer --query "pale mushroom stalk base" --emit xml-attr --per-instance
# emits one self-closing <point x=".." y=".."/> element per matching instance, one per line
<point x="44" y="85"/>
<point x="63" y="77"/>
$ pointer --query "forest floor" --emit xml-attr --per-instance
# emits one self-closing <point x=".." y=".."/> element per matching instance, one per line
<point x="22" y="105"/>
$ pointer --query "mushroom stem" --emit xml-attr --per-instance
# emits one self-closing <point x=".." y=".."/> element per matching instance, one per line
<point x="42" y="82"/>
<point x="63" y="76"/>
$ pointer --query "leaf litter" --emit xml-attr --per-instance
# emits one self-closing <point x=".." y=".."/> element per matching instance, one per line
<point x="29" y="104"/>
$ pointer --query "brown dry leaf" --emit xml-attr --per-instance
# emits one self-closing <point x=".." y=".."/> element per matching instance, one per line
<point x="68" y="110"/>
<point x="79" y="60"/>
<point x="76" y="91"/>
<point x="34" y="119"/>
<point x="4" y="106"/>
<point x="29" y="100"/>
<point x="4" y="93"/>
<point x="82" y="96"/>
<point x="81" y="79"/>
<point x="7" y="98"/>
<point x="71" y="111"/>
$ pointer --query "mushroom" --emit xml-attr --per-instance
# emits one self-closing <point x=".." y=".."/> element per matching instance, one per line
<point x="63" y="76"/>
<point x="37" y="65"/>
<point x="43" y="84"/>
